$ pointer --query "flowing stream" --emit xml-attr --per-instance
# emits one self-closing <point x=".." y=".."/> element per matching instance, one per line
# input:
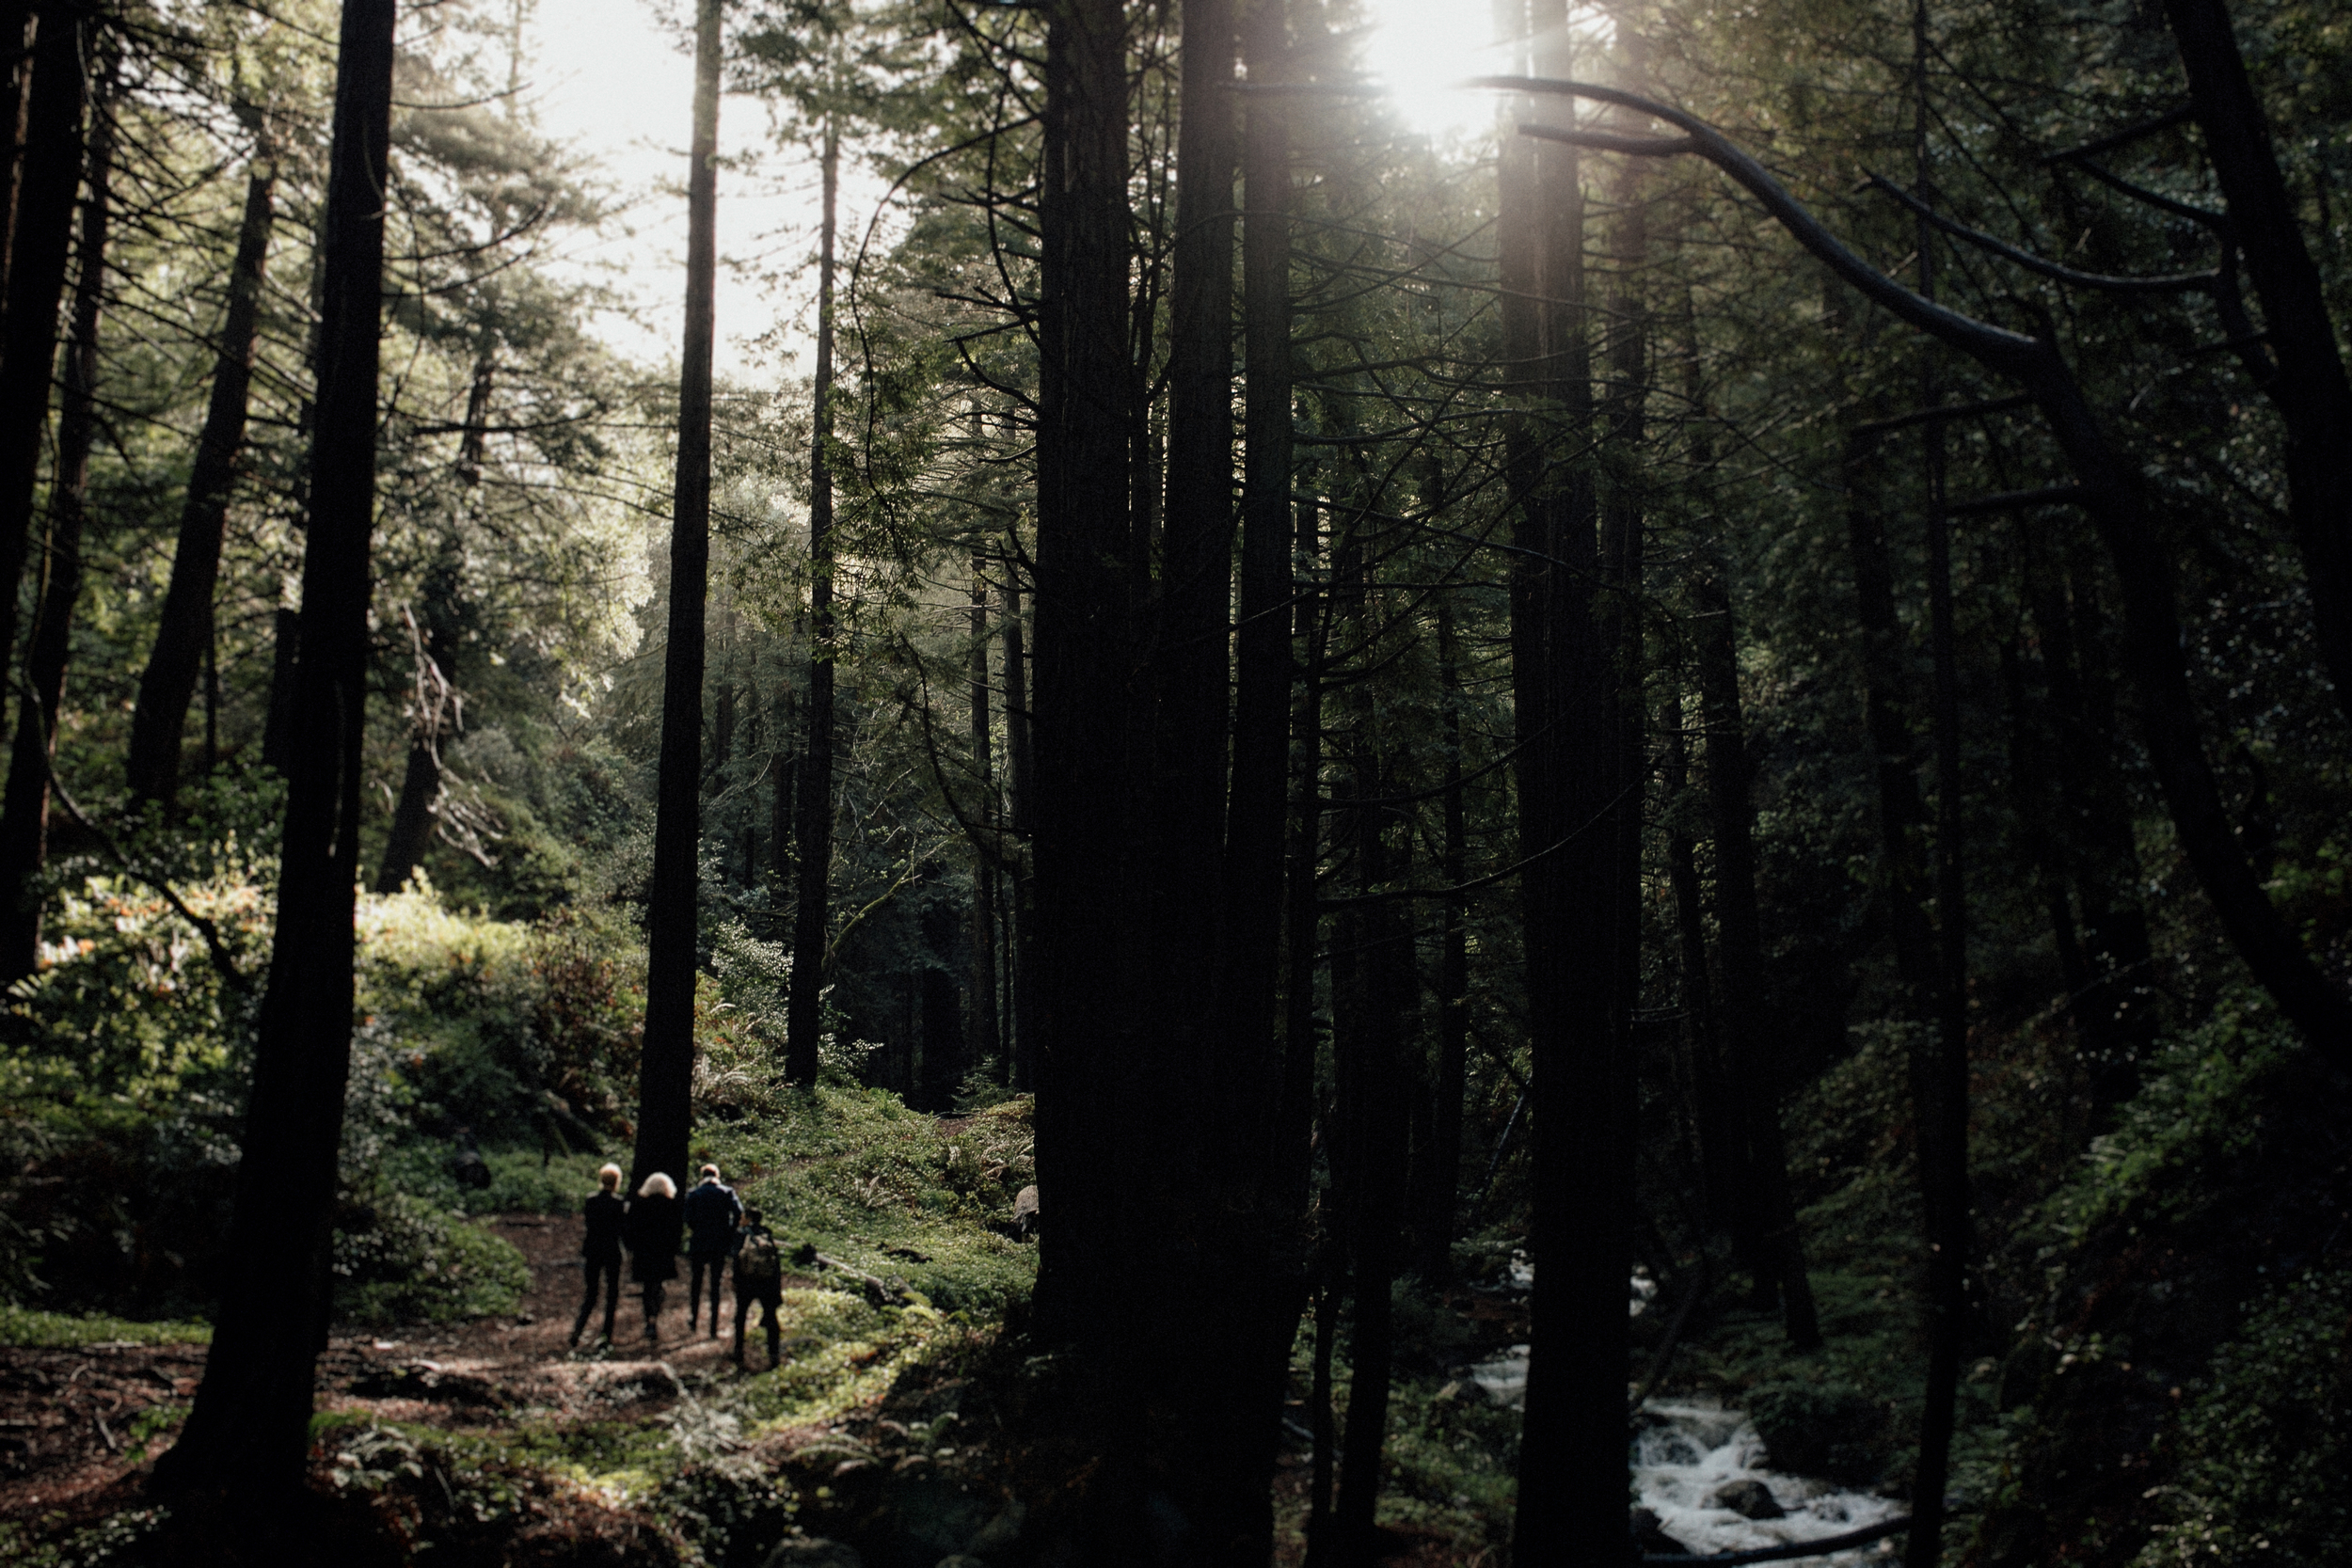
<point x="1689" y="1450"/>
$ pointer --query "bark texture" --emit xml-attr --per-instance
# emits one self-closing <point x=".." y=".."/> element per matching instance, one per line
<point x="184" y="634"/>
<point x="666" y="1085"/>
<point x="24" y="811"/>
<point x="249" y="1428"/>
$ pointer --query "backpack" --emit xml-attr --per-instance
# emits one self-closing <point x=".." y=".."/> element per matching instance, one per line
<point x="760" y="1261"/>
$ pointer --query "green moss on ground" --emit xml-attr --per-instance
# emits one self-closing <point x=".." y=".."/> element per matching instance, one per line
<point x="21" y="1327"/>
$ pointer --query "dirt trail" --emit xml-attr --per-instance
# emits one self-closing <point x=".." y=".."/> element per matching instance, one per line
<point x="73" y="1422"/>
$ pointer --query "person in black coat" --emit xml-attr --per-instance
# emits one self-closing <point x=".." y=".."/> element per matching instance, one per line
<point x="713" y="1212"/>
<point x="600" y="1250"/>
<point x="656" y="1224"/>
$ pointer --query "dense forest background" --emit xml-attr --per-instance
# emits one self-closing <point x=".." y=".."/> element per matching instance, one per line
<point x="1729" y="671"/>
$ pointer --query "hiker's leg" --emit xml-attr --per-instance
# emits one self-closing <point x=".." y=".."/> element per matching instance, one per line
<point x="587" y="1303"/>
<point x="612" y="1267"/>
<point x="769" y="1300"/>
<point x="742" y="1311"/>
<point x="693" y="1289"/>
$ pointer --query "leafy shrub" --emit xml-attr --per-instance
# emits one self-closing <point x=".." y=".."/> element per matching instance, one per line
<point x="1826" y="1429"/>
<point x="400" y="1261"/>
<point x="2267" y="1441"/>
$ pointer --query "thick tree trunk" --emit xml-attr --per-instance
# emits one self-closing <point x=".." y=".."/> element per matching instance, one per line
<point x="1939" y="1064"/>
<point x="666" y="1069"/>
<point x="249" y="1428"/>
<point x="24" y="813"/>
<point x="50" y="180"/>
<point x="984" y="1037"/>
<point x="2310" y="387"/>
<point x="1091" y="984"/>
<point x="1572" y="1454"/>
<point x="803" y="1009"/>
<point x="183" y="632"/>
<point x="1746" y="1028"/>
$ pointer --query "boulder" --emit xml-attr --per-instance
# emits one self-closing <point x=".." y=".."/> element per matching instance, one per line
<point x="813" y="1551"/>
<point x="1750" y="1499"/>
<point x="1650" y="1537"/>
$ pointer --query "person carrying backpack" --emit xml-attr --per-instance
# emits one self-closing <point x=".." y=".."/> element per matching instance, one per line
<point x="713" y="1212"/>
<point x="758" y="1278"/>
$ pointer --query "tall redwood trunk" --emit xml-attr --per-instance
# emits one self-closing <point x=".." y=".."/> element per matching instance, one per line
<point x="249" y="1428"/>
<point x="1093" y="986"/>
<point x="1750" y="1041"/>
<point x="183" y="633"/>
<point x="50" y="179"/>
<point x="1571" y="1505"/>
<point x="803" y="1010"/>
<point x="1939" y="1064"/>
<point x="666" y="1071"/>
<point x="24" y="813"/>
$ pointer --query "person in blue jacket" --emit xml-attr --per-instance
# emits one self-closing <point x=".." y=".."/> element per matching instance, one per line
<point x="713" y="1217"/>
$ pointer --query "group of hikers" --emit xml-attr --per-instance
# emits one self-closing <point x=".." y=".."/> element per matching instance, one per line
<point x="717" y="1231"/>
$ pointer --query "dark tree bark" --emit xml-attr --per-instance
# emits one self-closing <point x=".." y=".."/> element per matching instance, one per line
<point x="1572" y="1459"/>
<point x="16" y="38"/>
<point x="2033" y="798"/>
<point x="1744" y="1023"/>
<point x="50" y="179"/>
<point x="248" y="1432"/>
<point x="183" y="631"/>
<point x="437" y="716"/>
<point x="666" y="1071"/>
<point x="2115" y="495"/>
<point x="1018" y="767"/>
<point x="1372" y="990"/>
<point x="2117" y="1004"/>
<point x="985" y="1044"/>
<point x="804" y="1008"/>
<point x="24" y="813"/>
<point x="1939" y="1065"/>
<point x="439" y="700"/>
<point x="1442" y="1174"/>
<point x="2310" y="387"/>
<point x="1723" y="1153"/>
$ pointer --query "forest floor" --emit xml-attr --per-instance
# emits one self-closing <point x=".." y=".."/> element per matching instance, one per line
<point x="900" y="1445"/>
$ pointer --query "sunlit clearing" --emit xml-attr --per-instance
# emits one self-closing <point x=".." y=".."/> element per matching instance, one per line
<point x="1419" y="49"/>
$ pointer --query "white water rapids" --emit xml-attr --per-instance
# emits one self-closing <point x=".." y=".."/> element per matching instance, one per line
<point x="1688" y="1451"/>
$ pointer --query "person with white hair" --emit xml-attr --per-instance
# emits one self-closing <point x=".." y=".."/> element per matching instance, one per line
<point x="656" y="1224"/>
<point x="600" y="1250"/>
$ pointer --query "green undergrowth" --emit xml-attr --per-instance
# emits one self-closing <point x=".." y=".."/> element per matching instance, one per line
<point x="24" y="1327"/>
<point x="861" y="1178"/>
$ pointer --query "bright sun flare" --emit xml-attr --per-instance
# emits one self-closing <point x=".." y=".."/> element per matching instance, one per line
<point x="1419" y="48"/>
